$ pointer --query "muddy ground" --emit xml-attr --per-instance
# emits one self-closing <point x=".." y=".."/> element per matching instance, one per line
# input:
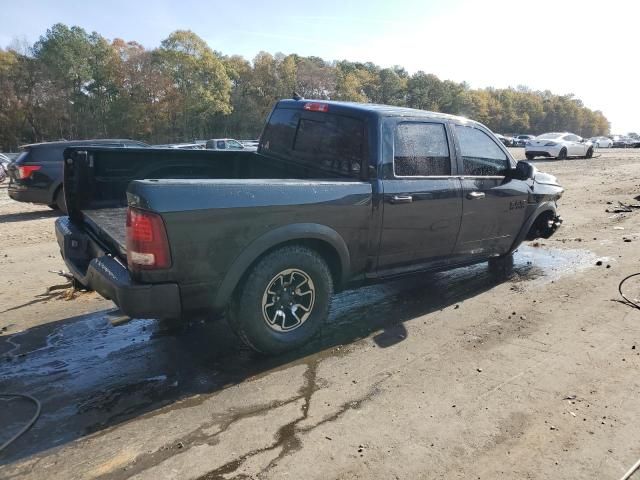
<point x="452" y="375"/>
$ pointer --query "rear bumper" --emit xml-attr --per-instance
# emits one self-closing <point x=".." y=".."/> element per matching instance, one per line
<point x="96" y="269"/>
<point x="21" y="193"/>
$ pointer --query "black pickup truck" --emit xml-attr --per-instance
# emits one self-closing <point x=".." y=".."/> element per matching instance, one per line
<point x="338" y="194"/>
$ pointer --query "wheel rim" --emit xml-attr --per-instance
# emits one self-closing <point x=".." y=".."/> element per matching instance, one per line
<point x="288" y="300"/>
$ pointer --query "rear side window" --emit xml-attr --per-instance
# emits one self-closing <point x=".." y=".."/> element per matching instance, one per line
<point x="481" y="156"/>
<point x="47" y="154"/>
<point x="421" y="150"/>
<point x="333" y="143"/>
<point x="280" y="132"/>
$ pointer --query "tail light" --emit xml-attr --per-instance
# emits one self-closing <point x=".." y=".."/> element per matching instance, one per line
<point x="147" y="243"/>
<point x="316" y="107"/>
<point x="26" y="171"/>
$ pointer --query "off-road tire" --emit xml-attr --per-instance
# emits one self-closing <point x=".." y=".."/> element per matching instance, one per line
<point x="501" y="267"/>
<point x="245" y="312"/>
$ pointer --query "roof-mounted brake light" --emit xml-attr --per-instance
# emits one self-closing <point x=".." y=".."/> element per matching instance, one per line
<point x="316" y="107"/>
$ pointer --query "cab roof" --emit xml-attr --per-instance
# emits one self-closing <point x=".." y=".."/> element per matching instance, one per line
<point x="374" y="109"/>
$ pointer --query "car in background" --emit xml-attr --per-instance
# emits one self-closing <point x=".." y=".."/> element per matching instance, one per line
<point x="506" y="141"/>
<point x="181" y="146"/>
<point x="35" y="176"/>
<point x="228" y="144"/>
<point x="601" y="142"/>
<point x="521" y="140"/>
<point x="250" y="143"/>
<point x="560" y="145"/>
<point x="620" y="141"/>
<point x="4" y="164"/>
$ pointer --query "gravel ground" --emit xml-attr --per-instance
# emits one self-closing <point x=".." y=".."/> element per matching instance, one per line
<point x="448" y="376"/>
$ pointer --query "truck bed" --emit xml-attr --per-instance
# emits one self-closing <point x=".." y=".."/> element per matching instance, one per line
<point x="110" y="225"/>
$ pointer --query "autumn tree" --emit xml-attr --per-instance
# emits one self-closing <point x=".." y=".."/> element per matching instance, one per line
<point x="74" y="84"/>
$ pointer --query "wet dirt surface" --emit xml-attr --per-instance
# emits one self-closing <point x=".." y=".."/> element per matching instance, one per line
<point x="91" y="375"/>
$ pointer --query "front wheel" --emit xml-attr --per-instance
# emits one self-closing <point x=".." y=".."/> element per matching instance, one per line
<point x="563" y="154"/>
<point x="530" y="156"/>
<point x="589" y="153"/>
<point x="283" y="301"/>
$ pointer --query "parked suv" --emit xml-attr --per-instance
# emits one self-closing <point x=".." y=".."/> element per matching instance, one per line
<point x="36" y="175"/>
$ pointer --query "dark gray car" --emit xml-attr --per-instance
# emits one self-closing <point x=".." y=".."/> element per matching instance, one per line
<point x="36" y="175"/>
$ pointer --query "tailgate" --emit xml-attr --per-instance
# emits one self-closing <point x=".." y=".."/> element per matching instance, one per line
<point x="110" y="226"/>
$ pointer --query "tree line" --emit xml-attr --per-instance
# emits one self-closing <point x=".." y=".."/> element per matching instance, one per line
<point x="71" y="85"/>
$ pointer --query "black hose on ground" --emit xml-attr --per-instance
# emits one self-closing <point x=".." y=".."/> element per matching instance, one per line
<point x="631" y="303"/>
<point x="24" y="429"/>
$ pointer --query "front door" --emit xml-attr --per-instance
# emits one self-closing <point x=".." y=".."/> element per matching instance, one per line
<point x="493" y="206"/>
<point x="422" y="200"/>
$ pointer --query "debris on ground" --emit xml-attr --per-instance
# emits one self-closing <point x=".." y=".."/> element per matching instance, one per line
<point x="623" y="208"/>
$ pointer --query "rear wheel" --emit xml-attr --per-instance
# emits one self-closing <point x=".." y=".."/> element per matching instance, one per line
<point x="530" y="156"/>
<point x="589" y="153"/>
<point x="563" y="154"/>
<point x="284" y="300"/>
<point x="61" y="203"/>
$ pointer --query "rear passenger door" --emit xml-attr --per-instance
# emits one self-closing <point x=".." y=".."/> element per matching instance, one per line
<point x="422" y="201"/>
<point x="493" y="205"/>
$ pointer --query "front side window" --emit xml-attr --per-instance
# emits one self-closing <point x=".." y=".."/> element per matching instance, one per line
<point x="235" y="145"/>
<point x="481" y="156"/>
<point x="421" y="150"/>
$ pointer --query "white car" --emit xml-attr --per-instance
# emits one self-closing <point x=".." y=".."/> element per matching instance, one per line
<point x="558" y="145"/>
<point x="228" y="144"/>
<point x="601" y="142"/>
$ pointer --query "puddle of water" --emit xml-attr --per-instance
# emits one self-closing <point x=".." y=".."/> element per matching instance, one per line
<point x="90" y="375"/>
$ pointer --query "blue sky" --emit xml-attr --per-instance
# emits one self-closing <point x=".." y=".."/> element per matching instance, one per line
<point x="570" y="46"/>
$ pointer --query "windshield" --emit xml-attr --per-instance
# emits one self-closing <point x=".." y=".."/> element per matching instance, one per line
<point x="546" y="136"/>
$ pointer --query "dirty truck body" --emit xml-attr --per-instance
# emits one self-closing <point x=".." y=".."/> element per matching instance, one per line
<point x="338" y="194"/>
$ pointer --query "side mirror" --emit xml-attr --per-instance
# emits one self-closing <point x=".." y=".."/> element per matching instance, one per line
<point x="523" y="171"/>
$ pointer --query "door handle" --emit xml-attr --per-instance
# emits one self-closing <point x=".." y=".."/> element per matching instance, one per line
<point x="475" y="195"/>
<point x="401" y="199"/>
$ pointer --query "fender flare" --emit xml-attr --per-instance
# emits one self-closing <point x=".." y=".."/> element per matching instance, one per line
<point x="548" y="206"/>
<point x="273" y="238"/>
